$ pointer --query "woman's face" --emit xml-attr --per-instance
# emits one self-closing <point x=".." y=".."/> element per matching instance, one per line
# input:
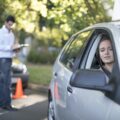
<point x="106" y="52"/>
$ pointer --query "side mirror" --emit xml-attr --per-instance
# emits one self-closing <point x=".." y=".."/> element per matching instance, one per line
<point x="90" y="79"/>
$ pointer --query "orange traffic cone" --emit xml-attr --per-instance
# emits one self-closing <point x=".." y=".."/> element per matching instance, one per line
<point x="19" y="90"/>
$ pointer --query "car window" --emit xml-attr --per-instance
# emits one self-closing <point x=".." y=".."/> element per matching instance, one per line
<point x="72" y="50"/>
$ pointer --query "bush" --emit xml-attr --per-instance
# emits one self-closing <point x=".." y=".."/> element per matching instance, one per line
<point x="42" y="57"/>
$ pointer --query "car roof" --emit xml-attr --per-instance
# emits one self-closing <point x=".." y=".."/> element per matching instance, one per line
<point x="108" y="25"/>
<point x="114" y="25"/>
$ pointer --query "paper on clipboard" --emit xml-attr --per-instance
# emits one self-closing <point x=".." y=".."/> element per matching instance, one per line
<point x="20" y="46"/>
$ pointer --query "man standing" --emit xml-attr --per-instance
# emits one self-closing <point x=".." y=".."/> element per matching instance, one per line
<point x="7" y="40"/>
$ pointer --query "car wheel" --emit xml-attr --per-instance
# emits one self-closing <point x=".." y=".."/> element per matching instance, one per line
<point x="51" y="111"/>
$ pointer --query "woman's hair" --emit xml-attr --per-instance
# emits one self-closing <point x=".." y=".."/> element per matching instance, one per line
<point x="104" y="37"/>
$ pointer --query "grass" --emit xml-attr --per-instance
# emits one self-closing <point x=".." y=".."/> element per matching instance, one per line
<point x="40" y="74"/>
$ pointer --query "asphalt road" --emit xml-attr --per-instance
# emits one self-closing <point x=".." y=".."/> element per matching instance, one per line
<point x="31" y="107"/>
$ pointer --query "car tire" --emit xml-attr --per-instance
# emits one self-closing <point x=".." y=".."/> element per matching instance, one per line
<point x="51" y="115"/>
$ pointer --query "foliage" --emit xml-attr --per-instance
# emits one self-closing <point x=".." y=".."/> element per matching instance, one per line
<point x="53" y="21"/>
<point x="43" y="57"/>
<point x="73" y="15"/>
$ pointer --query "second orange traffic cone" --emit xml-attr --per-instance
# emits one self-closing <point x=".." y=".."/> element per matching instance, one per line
<point x="19" y="90"/>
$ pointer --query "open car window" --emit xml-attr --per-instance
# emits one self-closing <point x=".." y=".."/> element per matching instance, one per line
<point x="93" y="61"/>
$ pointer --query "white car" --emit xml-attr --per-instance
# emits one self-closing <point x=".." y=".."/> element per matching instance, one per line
<point x="78" y="89"/>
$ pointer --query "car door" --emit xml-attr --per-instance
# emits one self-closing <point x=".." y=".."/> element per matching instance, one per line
<point x="63" y="70"/>
<point x="86" y="104"/>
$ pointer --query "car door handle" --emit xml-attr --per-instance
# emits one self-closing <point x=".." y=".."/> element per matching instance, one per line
<point x="69" y="89"/>
<point x="55" y="74"/>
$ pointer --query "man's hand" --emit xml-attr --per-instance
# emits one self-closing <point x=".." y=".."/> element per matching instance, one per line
<point x="16" y="47"/>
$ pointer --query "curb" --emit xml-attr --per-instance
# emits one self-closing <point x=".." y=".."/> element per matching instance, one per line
<point x="39" y="88"/>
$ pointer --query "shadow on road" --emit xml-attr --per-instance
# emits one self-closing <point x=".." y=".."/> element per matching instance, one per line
<point x="34" y="107"/>
<point x="36" y="111"/>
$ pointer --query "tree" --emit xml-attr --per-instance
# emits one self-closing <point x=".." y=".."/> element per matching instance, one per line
<point x="59" y="19"/>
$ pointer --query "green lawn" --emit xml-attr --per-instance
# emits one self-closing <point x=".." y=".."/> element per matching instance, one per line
<point x="40" y="74"/>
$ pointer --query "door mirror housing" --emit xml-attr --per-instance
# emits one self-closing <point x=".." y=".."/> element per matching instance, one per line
<point x="90" y="79"/>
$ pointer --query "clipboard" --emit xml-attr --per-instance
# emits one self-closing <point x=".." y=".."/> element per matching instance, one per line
<point x="19" y="47"/>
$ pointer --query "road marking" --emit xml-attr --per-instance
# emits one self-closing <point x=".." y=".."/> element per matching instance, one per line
<point x="3" y="112"/>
